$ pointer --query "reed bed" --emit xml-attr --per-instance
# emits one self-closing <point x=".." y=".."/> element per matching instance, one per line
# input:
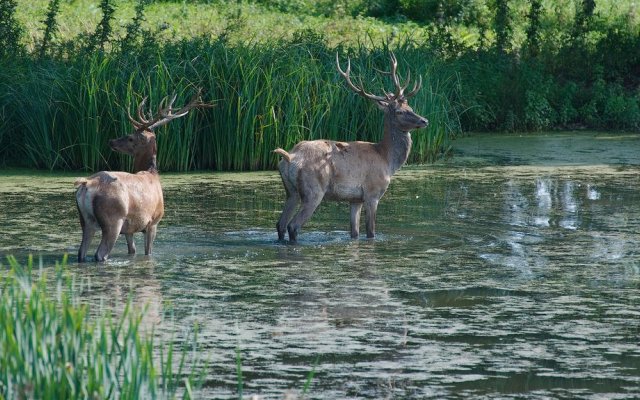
<point x="60" y="113"/>
<point x="53" y="349"/>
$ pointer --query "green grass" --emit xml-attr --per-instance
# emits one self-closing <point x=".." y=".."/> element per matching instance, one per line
<point x="254" y="22"/>
<point x="54" y="347"/>
<point x="177" y="20"/>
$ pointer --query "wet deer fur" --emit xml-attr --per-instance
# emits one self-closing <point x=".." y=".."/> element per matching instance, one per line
<point x="126" y="203"/>
<point x="356" y="172"/>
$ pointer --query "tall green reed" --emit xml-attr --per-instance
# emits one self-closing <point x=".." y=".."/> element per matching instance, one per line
<point x="268" y="95"/>
<point x="52" y="349"/>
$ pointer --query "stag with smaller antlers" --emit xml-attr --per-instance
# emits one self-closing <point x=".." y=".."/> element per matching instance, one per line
<point x="123" y="203"/>
<point x="356" y="172"/>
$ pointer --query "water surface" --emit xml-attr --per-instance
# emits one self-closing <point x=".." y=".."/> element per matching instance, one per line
<point x="510" y="271"/>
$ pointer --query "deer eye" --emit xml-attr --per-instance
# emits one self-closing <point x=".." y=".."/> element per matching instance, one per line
<point x="130" y="139"/>
<point x="398" y="112"/>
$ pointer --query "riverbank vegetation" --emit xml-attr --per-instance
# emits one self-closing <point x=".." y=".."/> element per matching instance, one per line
<point x="55" y="347"/>
<point x="69" y="70"/>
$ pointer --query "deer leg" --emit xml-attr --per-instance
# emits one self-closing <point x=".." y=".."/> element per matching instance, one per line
<point x="355" y="220"/>
<point x="149" y="237"/>
<point x="88" y="229"/>
<point x="130" y="243"/>
<point x="309" y="206"/>
<point x="87" y="235"/>
<point x="371" y="208"/>
<point x="110" y="234"/>
<point x="289" y="207"/>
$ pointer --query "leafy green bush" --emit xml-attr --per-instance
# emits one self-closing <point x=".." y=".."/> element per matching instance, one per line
<point x="562" y="98"/>
<point x="10" y="30"/>
<point x="620" y="109"/>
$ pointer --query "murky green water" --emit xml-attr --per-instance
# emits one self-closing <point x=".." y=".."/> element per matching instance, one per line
<point x="512" y="270"/>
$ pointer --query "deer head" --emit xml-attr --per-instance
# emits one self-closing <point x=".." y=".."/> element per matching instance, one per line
<point x="141" y="144"/>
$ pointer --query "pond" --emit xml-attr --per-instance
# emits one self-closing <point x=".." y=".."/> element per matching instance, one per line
<point x="510" y="270"/>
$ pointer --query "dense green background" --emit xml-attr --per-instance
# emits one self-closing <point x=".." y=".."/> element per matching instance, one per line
<point x="70" y="68"/>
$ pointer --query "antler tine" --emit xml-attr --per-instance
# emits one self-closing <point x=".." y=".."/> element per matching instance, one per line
<point x="168" y="113"/>
<point x="143" y="122"/>
<point x="406" y="84"/>
<point x="394" y="74"/>
<point x="141" y="118"/>
<point x="359" y="90"/>
<point x="196" y="100"/>
<point x="399" y="91"/>
<point x="170" y="104"/>
<point x="164" y="108"/>
<point x="416" y="88"/>
<point x="381" y="71"/>
<point x="135" y="123"/>
<point x="138" y="124"/>
<point x="173" y="99"/>
<point x="345" y="74"/>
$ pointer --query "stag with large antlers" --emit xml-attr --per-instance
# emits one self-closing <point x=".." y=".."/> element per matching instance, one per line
<point x="120" y="202"/>
<point x="357" y="172"/>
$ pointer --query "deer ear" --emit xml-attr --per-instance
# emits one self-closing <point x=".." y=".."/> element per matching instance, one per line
<point x="382" y="104"/>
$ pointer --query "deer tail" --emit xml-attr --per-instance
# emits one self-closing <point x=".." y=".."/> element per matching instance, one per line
<point x="80" y="182"/>
<point x="283" y="153"/>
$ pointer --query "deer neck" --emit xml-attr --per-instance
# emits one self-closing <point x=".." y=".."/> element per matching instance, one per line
<point x="147" y="160"/>
<point x="395" y="145"/>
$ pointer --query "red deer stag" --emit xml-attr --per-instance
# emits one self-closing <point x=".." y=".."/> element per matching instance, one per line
<point x="120" y="202"/>
<point x="357" y="172"/>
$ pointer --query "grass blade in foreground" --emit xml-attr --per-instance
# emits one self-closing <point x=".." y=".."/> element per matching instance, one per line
<point x="51" y="349"/>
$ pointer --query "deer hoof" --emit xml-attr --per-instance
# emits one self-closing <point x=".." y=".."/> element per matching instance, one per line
<point x="281" y="232"/>
<point x="293" y="234"/>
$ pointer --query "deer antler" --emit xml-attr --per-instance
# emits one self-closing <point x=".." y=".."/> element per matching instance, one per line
<point x="359" y="90"/>
<point x="399" y="94"/>
<point x="416" y="88"/>
<point x="138" y="124"/>
<point x="166" y="113"/>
